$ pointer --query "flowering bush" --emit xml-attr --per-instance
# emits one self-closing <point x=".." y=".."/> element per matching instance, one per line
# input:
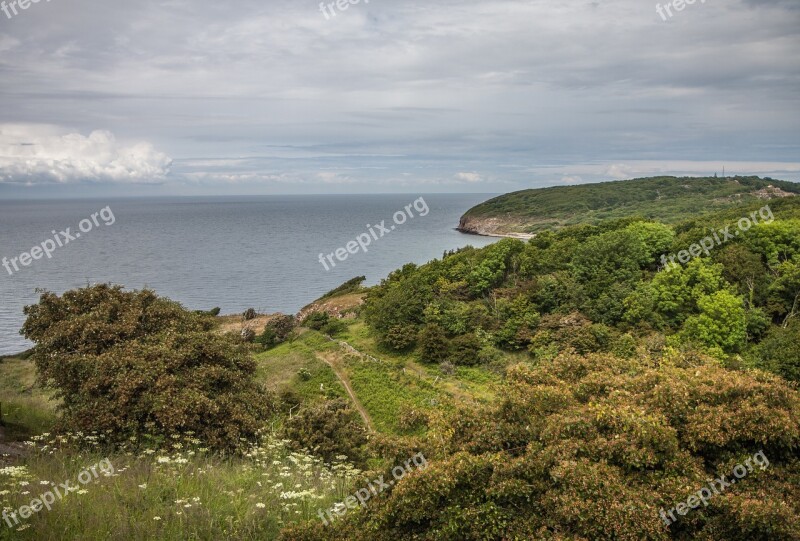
<point x="129" y="363"/>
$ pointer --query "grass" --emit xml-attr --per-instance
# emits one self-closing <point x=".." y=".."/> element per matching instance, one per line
<point x="279" y="369"/>
<point x="27" y="409"/>
<point x="169" y="494"/>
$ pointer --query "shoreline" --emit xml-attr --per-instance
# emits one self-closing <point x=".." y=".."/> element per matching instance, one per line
<point x="518" y="236"/>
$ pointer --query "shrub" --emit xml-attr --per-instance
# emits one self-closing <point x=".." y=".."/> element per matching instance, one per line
<point x="249" y="314"/>
<point x="316" y="320"/>
<point x="780" y="351"/>
<point x="283" y="326"/>
<point x="268" y="339"/>
<point x="401" y="337"/>
<point x="351" y="286"/>
<point x="465" y="350"/>
<point x="433" y="344"/>
<point x="129" y="363"/>
<point x="334" y="327"/>
<point x="277" y="330"/>
<point x="327" y="429"/>
<point x="248" y="335"/>
<point x="591" y="448"/>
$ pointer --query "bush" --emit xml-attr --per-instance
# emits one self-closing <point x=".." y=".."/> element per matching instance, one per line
<point x="447" y="368"/>
<point x="277" y="331"/>
<point x="591" y="448"/>
<point x="316" y="320"/>
<point x="780" y="351"/>
<point x="401" y="337"/>
<point x="433" y="344"/>
<point x="351" y="286"/>
<point x="465" y="350"/>
<point x="249" y="314"/>
<point x="268" y="339"/>
<point x="131" y="363"/>
<point x="328" y="429"/>
<point x="334" y="327"/>
<point x="248" y="335"/>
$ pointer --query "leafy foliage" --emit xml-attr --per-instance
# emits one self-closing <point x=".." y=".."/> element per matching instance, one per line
<point x="277" y="331"/>
<point x="586" y="287"/>
<point x="328" y="429"/>
<point x="666" y="199"/>
<point x="127" y="363"/>
<point x="592" y="447"/>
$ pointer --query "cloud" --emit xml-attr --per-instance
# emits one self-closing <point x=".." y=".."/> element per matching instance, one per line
<point x="42" y="154"/>
<point x="469" y="177"/>
<point x="271" y="93"/>
<point x="620" y="171"/>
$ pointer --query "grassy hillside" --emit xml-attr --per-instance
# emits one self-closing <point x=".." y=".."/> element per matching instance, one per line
<point x="665" y="199"/>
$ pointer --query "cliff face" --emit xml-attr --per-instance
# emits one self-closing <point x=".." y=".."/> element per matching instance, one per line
<point x="490" y="227"/>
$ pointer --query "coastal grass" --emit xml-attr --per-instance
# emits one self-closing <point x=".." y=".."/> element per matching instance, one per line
<point x="169" y="493"/>
<point x="280" y="369"/>
<point x="26" y="408"/>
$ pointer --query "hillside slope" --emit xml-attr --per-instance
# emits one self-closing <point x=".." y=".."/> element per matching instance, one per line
<point x="666" y="199"/>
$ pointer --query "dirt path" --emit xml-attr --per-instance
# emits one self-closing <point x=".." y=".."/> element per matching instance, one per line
<point x="333" y="360"/>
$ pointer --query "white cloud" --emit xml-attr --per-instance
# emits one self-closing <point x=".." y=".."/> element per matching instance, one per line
<point x="41" y="154"/>
<point x="469" y="177"/>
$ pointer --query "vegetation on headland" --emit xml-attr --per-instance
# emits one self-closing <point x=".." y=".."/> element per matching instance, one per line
<point x="664" y="199"/>
<point x="562" y="388"/>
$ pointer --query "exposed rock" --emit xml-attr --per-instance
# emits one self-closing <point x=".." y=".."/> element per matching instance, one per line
<point x="491" y="227"/>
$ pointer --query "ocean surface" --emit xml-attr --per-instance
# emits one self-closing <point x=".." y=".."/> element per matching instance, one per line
<point x="231" y="252"/>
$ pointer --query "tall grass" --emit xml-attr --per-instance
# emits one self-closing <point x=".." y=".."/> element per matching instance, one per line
<point x="175" y="490"/>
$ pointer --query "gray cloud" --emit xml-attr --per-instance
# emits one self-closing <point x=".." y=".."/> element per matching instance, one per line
<point x="472" y="95"/>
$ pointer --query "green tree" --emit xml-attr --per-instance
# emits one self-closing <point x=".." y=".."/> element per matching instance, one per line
<point x="433" y="344"/>
<point x="779" y="352"/>
<point x="721" y="322"/>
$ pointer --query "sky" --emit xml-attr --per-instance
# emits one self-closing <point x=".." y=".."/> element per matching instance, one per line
<point x="182" y="97"/>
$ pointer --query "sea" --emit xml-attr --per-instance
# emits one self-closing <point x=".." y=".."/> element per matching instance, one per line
<point x="229" y="252"/>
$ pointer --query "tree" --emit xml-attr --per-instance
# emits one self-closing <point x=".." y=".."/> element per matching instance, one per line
<point x="779" y="352"/>
<point x="433" y="344"/>
<point x="130" y="363"/>
<point x="721" y="323"/>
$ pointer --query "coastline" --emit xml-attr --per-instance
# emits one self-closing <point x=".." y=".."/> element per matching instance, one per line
<point x="489" y="227"/>
<point x="518" y="236"/>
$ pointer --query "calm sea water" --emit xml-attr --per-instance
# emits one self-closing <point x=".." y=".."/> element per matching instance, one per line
<point x="234" y="253"/>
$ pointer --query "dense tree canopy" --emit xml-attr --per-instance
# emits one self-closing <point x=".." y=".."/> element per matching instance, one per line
<point x="611" y="278"/>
